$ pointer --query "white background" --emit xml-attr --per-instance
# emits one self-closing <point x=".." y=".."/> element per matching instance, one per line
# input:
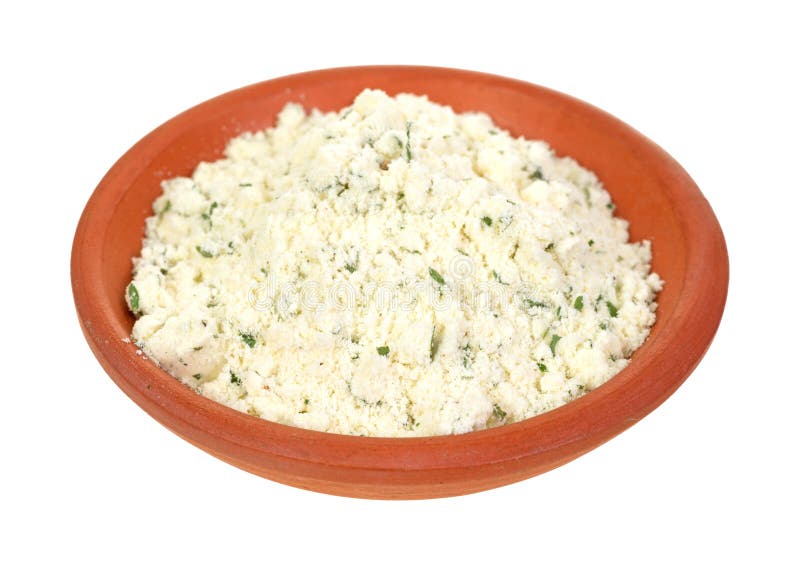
<point x="87" y="476"/>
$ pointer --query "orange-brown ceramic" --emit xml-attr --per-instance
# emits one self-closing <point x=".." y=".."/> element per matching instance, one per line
<point x="650" y="189"/>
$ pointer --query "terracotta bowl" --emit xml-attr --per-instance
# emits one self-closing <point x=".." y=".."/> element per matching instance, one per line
<point x="650" y="189"/>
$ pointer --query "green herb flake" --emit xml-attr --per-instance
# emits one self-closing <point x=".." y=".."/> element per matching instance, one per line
<point x="550" y="247"/>
<point x="591" y="242"/>
<point x="204" y="252"/>
<point x="235" y="379"/>
<point x="487" y="220"/>
<point x="534" y="303"/>
<point x="553" y="342"/>
<point x="498" y="412"/>
<point x="344" y="187"/>
<point x="408" y="141"/>
<point x="436" y="276"/>
<point x="167" y="207"/>
<point x="133" y="298"/>
<point x="196" y="376"/>
<point x="245" y="184"/>
<point x="542" y="367"/>
<point x="207" y="215"/>
<point x="350" y="268"/>
<point x="537" y="174"/>
<point x="612" y="309"/>
<point x="610" y="206"/>
<point x="467" y="355"/>
<point x="579" y="303"/>
<point x="248" y="339"/>
<point x="497" y="278"/>
<point x="383" y="351"/>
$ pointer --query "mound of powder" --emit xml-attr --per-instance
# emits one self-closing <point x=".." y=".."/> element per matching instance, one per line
<point x="392" y="269"/>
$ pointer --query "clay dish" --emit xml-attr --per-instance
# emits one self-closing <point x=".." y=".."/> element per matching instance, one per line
<point x="650" y="189"/>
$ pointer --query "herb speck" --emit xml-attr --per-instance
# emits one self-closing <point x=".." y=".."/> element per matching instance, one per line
<point x="408" y="141"/>
<point x="133" y="298"/>
<point x="204" y="252"/>
<point x="436" y="276"/>
<point x="553" y="342"/>
<point x="248" y="339"/>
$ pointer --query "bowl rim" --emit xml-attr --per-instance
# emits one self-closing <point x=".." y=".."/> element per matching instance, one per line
<point x="564" y="428"/>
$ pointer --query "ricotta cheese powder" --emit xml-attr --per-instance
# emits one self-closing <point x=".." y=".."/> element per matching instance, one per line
<point x="393" y="269"/>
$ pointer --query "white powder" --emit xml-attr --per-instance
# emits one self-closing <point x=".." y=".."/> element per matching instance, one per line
<point x="393" y="269"/>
